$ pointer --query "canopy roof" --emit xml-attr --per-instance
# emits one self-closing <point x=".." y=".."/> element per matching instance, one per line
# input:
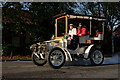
<point x="78" y="16"/>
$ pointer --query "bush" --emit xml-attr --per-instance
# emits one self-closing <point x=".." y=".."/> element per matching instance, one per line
<point x="9" y="50"/>
<point x="24" y="50"/>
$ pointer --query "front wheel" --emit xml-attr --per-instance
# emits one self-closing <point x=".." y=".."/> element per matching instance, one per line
<point x="56" y="58"/>
<point x="38" y="60"/>
<point x="96" y="56"/>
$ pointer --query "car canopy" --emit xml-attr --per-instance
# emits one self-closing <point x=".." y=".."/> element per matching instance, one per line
<point x="67" y="16"/>
<point x="78" y="16"/>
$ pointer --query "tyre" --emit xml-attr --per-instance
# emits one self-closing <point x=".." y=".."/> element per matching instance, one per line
<point x="37" y="60"/>
<point x="96" y="56"/>
<point x="56" y="58"/>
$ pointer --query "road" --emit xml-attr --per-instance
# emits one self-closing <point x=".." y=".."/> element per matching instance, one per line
<point x="26" y="69"/>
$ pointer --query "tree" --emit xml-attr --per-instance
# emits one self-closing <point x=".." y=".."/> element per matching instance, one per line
<point x="109" y="10"/>
<point x="16" y="22"/>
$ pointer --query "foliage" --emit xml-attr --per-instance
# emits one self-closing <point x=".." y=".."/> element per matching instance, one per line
<point x="109" y="10"/>
<point x="13" y="51"/>
<point x="7" y="49"/>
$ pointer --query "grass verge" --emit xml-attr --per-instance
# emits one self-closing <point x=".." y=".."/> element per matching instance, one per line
<point x="9" y="58"/>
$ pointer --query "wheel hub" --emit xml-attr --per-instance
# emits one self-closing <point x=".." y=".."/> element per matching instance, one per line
<point x="97" y="56"/>
<point x="56" y="57"/>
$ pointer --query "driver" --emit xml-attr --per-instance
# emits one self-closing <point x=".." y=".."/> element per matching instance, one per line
<point x="72" y="31"/>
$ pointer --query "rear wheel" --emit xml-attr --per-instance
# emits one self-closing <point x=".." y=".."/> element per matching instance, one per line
<point x="56" y="58"/>
<point x="96" y="56"/>
<point x="38" y="60"/>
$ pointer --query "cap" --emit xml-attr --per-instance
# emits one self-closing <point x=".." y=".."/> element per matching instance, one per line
<point x="71" y="24"/>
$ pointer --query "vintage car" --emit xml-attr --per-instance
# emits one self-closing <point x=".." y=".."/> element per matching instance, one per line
<point x="56" y="51"/>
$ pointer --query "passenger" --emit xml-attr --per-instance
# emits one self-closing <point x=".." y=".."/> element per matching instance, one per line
<point x="94" y="31"/>
<point x="81" y="30"/>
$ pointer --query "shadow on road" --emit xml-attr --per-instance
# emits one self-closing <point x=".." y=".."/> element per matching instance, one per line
<point x="107" y="61"/>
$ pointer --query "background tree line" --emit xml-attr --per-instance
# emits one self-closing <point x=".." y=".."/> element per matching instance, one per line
<point x="25" y="23"/>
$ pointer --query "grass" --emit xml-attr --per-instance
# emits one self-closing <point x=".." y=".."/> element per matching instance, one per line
<point x="5" y="58"/>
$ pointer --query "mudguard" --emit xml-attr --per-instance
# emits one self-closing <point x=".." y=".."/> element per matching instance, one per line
<point x="67" y="54"/>
<point x="86" y="55"/>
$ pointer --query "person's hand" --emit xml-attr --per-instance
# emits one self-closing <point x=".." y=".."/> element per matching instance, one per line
<point x="80" y="34"/>
<point x="65" y="36"/>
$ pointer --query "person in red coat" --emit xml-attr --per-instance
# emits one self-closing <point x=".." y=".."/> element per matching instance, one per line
<point x="81" y="30"/>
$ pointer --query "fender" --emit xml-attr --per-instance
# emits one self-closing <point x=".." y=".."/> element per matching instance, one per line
<point x="67" y="54"/>
<point x="88" y="50"/>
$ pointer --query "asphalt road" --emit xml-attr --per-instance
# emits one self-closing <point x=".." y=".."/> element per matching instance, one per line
<point x="26" y="69"/>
